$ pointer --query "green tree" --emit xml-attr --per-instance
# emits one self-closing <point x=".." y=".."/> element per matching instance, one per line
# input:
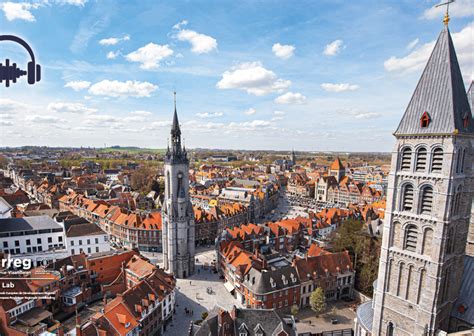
<point x="317" y="301"/>
<point x="294" y="310"/>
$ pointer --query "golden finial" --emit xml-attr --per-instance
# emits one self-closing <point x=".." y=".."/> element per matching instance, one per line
<point x="446" y="16"/>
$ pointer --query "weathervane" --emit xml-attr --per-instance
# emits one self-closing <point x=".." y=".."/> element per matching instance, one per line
<point x="446" y="16"/>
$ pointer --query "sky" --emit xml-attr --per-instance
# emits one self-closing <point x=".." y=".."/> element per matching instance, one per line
<point x="327" y="75"/>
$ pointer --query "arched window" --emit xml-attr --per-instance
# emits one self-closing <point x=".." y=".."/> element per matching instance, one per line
<point x="410" y="290"/>
<point x="457" y="201"/>
<point x="421" y="159"/>
<point x="458" y="160"/>
<point x="407" y="199"/>
<point x="450" y="241"/>
<point x="389" y="275"/>
<point x="426" y="203"/>
<point x="168" y="185"/>
<point x="427" y="240"/>
<point x="390" y="329"/>
<point x="411" y="237"/>
<point x="400" y="278"/>
<point x="437" y="160"/>
<point x="421" y="285"/>
<point x="406" y="159"/>
<point x="397" y="230"/>
<point x="463" y="160"/>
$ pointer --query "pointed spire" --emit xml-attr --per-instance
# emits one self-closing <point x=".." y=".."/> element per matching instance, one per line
<point x="441" y="94"/>
<point x="175" y="128"/>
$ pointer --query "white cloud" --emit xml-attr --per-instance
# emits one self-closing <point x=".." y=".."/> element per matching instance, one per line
<point x="95" y="120"/>
<point x="332" y="87"/>
<point x="19" y="11"/>
<point x="112" y="54"/>
<point x="417" y="59"/>
<point x="78" y="85"/>
<point x="150" y="55"/>
<point x="333" y="48"/>
<point x="412" y="44"/>
<point x="141" y="113"/>
<point x="279" y="113"/>
<point x="113" y="40"/>
<point x="250" y="111"/>
<point x="180" y="24"/>
<point x="135" y="118"/>
<point x="12" y="105"/>
<point x="116" y="88"/>
<point x="80" y="3"/>
<point x="277" y="118"/>
<point x="157" y="125"/>
<point x="367" y="115"/>
<point x="248" y="125"/>
<point x="65" y="107"/>
<point x="205" y="115"/>
<point x="459" y="8"/>
<point x="43" y="119"/>
<point x="253" y="78"/>
<point x="5" y="123"/>
<point x="291" y="98"/>
<point x="283" y="51"/>
<point x="200" y="43"/>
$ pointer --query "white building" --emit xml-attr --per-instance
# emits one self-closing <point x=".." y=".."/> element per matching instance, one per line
<point x="36" y="234"/>
<point x="5" y="209"/>
<point x="87" y="238"/>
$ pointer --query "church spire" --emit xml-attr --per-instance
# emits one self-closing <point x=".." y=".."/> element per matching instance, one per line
<point x="176" y="152"/>
<point x="439" y="104"/>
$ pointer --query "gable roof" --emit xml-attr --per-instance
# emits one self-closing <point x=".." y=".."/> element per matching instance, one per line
<point x="441" y="93"/>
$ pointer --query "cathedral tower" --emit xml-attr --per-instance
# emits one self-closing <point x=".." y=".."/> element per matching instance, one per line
<point x="177" y="212"/>
<point x="428" y="203"/>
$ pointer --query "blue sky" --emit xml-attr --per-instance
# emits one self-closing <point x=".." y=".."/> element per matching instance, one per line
<point x="309" y="75"/>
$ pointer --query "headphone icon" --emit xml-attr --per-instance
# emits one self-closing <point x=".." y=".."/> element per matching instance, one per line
<point x="11" y="72"/>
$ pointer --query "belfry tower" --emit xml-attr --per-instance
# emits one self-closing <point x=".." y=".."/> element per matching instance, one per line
<point x="428" y="203"/>
<point x="177" y="212"/>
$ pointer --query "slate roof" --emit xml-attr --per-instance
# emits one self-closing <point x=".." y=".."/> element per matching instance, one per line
<point x="470" y="94"/>
<point x="463" y="308"/>
<point x="268" y="319"/>
<point x="365" y="315"/>
<point x="262" y="283"/>
<point x="80" y="230"/>
<point x="441" y="93"/>
<point x="28" y="224"/>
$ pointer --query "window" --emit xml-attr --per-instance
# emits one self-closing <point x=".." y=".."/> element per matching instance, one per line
<point x="397" y="229"/>
<point x="463" y="159"/>
<point x="60" y="239"/>
<point x="425" y="120"/>
<point x="28" y="242"/>
<point x="80" y="241"/>
<point x="88" y="241"/>
<point x="73" y="252"/>
<point x="72" y="242"/>
<point x="88" y="250"/>
<point x="421" y="159"/>
<point x="38" y="240"/>
<point x="457" y="201"/>
<point x="411" y="235"/>
<point x="406" y="159"/>
<point x="426" y="200"/>
<point x="407" y="202"/>
<point x="97" y="249"/>
<point x="5" y="244"/>
<point x="50" y="239"/>
<point x="400" y="278"/>
<point x="450" y="241"/>
<point x="421" y="285"/>
<point x="427" y="239"/>
<point x="437" y="160"/>
<point x="97" y="240"/>
<point x="17" y="243"/>
<point x="390" y="329"/>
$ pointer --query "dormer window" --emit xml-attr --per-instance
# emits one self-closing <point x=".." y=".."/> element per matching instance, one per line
<point x="272" y="283"/>
<point x="285" y="282"/>
<point x="425" y="120"/>
<point x="465" y="120"/>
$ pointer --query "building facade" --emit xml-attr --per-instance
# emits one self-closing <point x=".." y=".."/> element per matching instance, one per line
<point x="177" y="214"/>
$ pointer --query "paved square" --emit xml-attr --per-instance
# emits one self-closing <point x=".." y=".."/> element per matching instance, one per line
<point x="192" y="294"/>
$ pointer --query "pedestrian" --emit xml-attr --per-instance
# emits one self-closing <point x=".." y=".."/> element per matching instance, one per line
<point x="189" y="282"/>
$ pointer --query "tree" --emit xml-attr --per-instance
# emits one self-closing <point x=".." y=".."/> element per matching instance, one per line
<point x="294" y="310"/>
<point x="317" y="301"/>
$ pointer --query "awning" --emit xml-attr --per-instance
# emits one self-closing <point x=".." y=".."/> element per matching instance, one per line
<point x="229" y="286"/>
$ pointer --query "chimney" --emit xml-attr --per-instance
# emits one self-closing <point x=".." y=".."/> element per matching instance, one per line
<point x="78" y="325"/>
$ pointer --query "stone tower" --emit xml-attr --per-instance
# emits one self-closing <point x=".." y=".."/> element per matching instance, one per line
<point x="177" y="213"/>
<point x="337" y="170"/>
<point x="428" y="203"/>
